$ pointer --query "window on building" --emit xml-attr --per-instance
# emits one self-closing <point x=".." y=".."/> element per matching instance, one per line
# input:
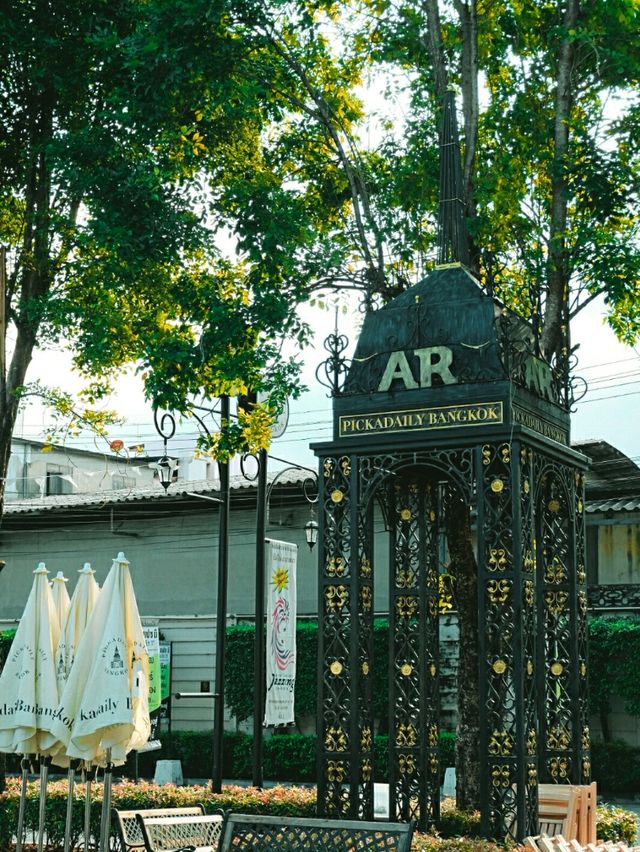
<point x="58" y="480"/>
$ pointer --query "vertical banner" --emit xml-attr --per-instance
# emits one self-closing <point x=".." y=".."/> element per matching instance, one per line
<point x="282" y="558"/>
<point x="165" y="681"/>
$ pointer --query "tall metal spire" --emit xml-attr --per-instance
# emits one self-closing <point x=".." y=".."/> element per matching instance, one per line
<point x="452" y="232"/>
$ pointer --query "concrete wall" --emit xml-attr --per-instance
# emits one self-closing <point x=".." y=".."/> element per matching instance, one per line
<point x="618" y="552"/>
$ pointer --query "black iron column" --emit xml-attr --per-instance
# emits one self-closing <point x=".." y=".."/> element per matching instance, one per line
<point x="259" y="646"/>
<point x="221" y="612"/>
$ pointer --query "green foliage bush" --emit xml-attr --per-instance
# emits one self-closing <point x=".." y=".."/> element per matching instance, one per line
<point x="616" y="824"/>
<point x="614" y="650"/>
<point x="616" y="767"/>
<point x="6" y="638"/>
<point x="613" y="823"/>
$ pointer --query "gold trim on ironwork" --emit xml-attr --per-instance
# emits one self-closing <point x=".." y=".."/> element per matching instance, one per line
<point x="365" y="567"/>
<point x="532" y="775"/>
<point x="501" y="743"/>
<point x="406" y="736"/>
<point x="337" y="495"/>
<point x="406" y="764"/>
<point x="529" y="562"/>
<point x="335" y="740"/>
<point x="532" y="742"/>
<point x="366" y="739"/>
<point x="405" y="514"/>
<point x="336" y="771"/>
<point x="559" y="767"/>
<point x="336" y="567"/>
<point x="556" y="601"/>
<point x="336" y="668"/>
<point x="336" y="597"/>
<point x="583" y="669"/>
<point x="433" y="670"/>
<point x="406" y="606"/>
<point x="505" y="452"/>
<point x="498" y="590"/>
<point x="500" y="776"/>
<point x="406" y="669"/>
<point x="432" y="734"/>
<point x="365" y="668"/>
<point x="525" y="486"/>
<point x="405" y="578"/>
<point x="557" y="668"/>
<point x="555" y="572"/>
<point x="497" y="485"/>
<point x="554" y="505"/>
<point x="345" y="465"/>
<point x="366" y="598"/>
<point x="529" y="667"/>
<point x="499" y="667"/>
<point x="586" y="738"/>
<point x="367" y="770"/>
<point x="486" y="455"/>
<point x="528" y="593"/>
<point x="327" y="467"/>
<point x="558" y="738"/>
<point x="498" y="559"/>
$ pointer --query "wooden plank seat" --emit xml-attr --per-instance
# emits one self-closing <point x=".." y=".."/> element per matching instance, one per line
<point x="290" y="834"/>
<point x="558" y="810"/>
<point x="544" y="843"/>
<point x="200" y="832"/>
<point x="128" y="828"/>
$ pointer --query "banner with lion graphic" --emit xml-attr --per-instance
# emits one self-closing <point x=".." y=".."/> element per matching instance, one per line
<point x="282" y="558"/>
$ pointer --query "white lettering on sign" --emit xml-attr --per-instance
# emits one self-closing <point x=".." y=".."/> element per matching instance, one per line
<point x="432" y="360"/>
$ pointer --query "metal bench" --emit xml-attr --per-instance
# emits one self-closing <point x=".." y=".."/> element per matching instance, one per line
<point x="128" y="828"/>
<point x="290" y="834"/>
<point x="191" y="833"/>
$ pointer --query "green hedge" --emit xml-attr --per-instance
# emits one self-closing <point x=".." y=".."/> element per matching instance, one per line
<point x="291" y="757"/>
<point x="286" y="757"/>
<point x="613" y="823"/>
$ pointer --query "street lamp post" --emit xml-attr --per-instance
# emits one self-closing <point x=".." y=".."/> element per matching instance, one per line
<point x="311" y="534"/>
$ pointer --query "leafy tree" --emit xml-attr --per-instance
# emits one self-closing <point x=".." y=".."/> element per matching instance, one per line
<point x="137" y="139"/>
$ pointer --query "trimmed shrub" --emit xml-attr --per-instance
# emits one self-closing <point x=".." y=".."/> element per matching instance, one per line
<point x="616" y="824"/>
<point x="616" y="767"/>
<point x="613" y="823"/>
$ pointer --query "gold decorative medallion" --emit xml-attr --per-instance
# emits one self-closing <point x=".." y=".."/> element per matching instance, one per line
<point x="497" y="485"/>
<point x="405" y="514"/>
<point x="529" y="667"/>
<point x="365" y="668"/>
<point x="406" y="669"/>
<point x="525" y="486"/>
<point x="554" y="505"/>
<point x="433" y="669"/>
<point x="337" y="496"/>
<point x="336" y="667"/>
<point x="432" y="516"/>
<point x="556" y="669"/>
<point x="499" y="667"/>
<point x="583" y="669"/>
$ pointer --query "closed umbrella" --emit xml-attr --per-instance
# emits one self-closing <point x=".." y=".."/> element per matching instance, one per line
<point x="29" y="690"/>
<point x="103" y="711"/>
<point x="81" y="606"/>
<point x="60" y="597"/>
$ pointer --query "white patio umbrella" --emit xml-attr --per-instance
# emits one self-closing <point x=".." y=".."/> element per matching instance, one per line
<point x="81" y="606"/>
<point x="29" y="690"/>
<point x="103" y="712"/>
<point x="60" y="597"/>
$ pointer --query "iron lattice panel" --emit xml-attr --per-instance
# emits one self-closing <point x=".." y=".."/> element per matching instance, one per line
<point x="507" y="695"/>
<point x="288" y="835"/>
<point x="557" y="646"/>
<point x="529" y="632"/>
<point x="614" y="597"/>
<point x="345" y="741"/>
<point x="582" y="632"/>
<point x="414" y="658"/>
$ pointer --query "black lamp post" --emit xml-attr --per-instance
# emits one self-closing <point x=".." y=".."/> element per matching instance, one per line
<point x="165" y="466"/>
<point x="311" y="535"/>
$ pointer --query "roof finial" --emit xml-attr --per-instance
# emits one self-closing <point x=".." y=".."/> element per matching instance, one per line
<point x="452" y="232"/>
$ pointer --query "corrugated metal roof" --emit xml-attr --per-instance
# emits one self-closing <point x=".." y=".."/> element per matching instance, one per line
<point x="180" y="489"/>
<point x="630" y="504"/>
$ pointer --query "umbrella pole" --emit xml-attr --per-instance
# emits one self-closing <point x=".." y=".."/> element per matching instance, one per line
<point x="89" y="775"/>
<point x="24" y="765"/>
<point x="71" y="777"/>
<point x="105" y="824"/>
<point x="45" y="762"/>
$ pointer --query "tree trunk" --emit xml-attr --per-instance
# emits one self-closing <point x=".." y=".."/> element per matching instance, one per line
<point x="558" y="269"/>
<point x="465" y="570"/>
